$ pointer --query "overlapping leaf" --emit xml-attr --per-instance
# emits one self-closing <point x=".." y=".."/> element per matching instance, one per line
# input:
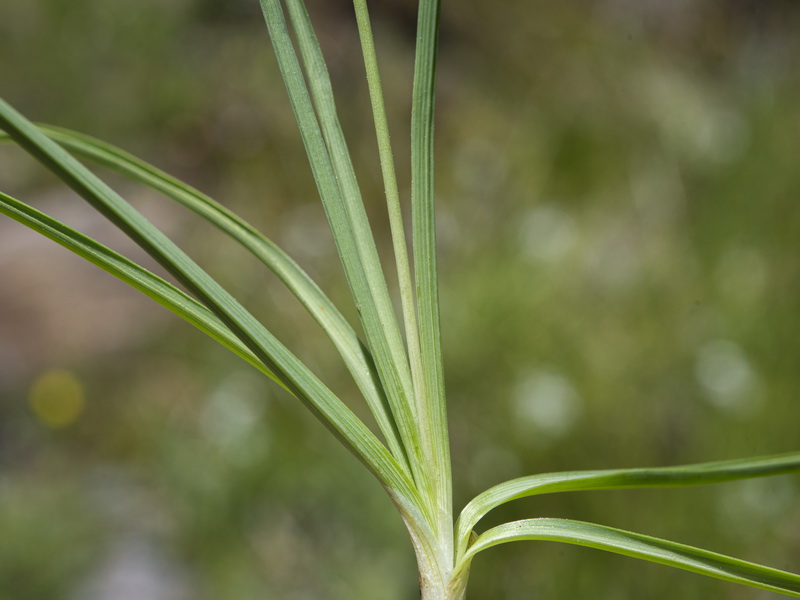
<point x="292" y="373"/>
<point x="687" y="475"/>
<point x="134" y="275"/>
<point x="355" y="356"/>
<point x="404" y="280"/>
<point x="333" y="173"/>
<point x="433" y="409"/>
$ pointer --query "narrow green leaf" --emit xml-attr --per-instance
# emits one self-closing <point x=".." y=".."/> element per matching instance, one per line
<point x="134" y="275"/>
<point x="432" y="408"/>
<point x="291" y="371"/>
<point x="407" y="296"/>
<point x="639" y="546"/>
<point x="681" y="476"/>
<point x="333" y="172"/>
<point x="355" y="355"/>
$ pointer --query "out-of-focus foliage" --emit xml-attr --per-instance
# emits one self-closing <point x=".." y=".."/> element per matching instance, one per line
<point x="619" y="246"/>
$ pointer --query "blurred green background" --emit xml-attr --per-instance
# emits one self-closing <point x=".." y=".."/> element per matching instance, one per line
<point x="618" y="190"/>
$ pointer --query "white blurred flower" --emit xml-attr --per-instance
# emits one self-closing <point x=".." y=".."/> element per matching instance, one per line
<point x="728" y="377"/>
<point x="547" y="233"/>
<point x="547" y="401"/>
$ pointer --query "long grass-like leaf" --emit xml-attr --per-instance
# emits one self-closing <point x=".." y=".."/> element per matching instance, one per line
<point x="134" y="275"/>
<point x="407" y="296"/>
<point x="681" y="476"/>
<point x="639" y="546"/>
<point x="332" y="169"/>
<point x="291" y="371"/>
<point x="382" y="327"/>
<point x="355" y="355"/>
<point x="433" y="408"/>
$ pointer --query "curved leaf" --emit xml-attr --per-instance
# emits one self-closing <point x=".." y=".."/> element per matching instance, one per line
<point x="639" y="546"/>
<point x="320" y="400"/>
<point x="354" y="354"/>
<point x="134" y="275"/>
<point x="687" y="475"/>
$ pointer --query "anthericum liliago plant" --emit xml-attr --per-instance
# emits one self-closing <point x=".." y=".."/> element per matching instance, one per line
<point x="398" y="365"/>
